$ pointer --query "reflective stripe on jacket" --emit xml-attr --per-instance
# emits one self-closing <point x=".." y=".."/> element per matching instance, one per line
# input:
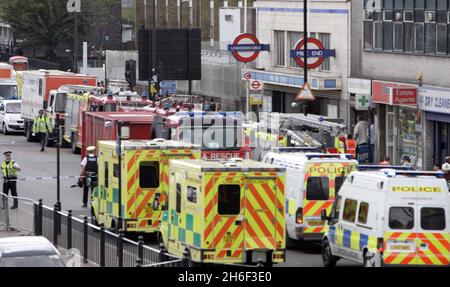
<point x="42" y="125"/>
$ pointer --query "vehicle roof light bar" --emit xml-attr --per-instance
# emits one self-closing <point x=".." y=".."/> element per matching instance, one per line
<point x="329" y="155"/>
<point x="296" y="149"/>
<point x="367" y="167"/>
<point x="393" y="173"/>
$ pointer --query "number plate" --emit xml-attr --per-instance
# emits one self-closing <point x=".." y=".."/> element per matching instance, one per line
<point x="316" y="223"/>
<point x="401" y="247"/>
<point x="256" y="255"/>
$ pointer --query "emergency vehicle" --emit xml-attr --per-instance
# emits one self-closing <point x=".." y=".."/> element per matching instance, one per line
<point x="390" y="217"/>
<point x="36" y="88"/>
<point x="19" y="63"/>
<point x="220" y="134"/>
<point x="225" y="212"/>
<point x="94" y="100"/>
<point x="144" y="177"/>
<point x="291" y="130"/>
<point x="8" y="84"/>
<point x="101" y="126"/>
<point x="312" y="182"/>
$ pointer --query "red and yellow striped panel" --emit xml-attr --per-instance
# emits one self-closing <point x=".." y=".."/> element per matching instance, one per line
<point x="430" y="249"/>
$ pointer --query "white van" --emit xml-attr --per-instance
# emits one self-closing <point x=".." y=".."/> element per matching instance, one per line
<point x="10" y="118"/>
<point x="389" y="217"/>
<point x="312" y="182"/>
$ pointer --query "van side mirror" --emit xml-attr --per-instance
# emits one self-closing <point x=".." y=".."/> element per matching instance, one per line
<point x="323" y="215"/>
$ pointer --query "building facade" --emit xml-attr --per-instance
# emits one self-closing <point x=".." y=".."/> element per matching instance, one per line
<point x="6" y="35"/>
<point x="280" y="24"/>
<point x="403" y="47"/>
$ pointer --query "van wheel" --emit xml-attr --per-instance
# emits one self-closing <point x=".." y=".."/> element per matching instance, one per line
<point x="73" y="145"/>
<point x="291" y="243"/>
<point x="329" y="260"/>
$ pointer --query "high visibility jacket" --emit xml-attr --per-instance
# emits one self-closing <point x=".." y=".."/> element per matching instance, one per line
<point x="8" y="169"/>
<point x="339" y="145"/>
<point x="351" y="147"/>
<point x="42" y="125"/>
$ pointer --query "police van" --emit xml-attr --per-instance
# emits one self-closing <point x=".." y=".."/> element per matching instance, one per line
<point x="389" y="217"/>
<point x="313" y="180"/>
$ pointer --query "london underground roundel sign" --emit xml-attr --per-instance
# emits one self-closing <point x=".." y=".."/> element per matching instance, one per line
<point x="318" y="54"/>
<point x="246" y="48"/>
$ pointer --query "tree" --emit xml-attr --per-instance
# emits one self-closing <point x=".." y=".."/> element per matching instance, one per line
<point x="44" y="23"/>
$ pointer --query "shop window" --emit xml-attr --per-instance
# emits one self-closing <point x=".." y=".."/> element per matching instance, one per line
<point x="294" y="37"/>
<point x="149" y="174"/>
<point x="229" y="199"/>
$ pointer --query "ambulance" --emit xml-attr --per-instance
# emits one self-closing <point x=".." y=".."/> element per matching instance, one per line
<point x="389" y="218"/>
<point x="313" y="180"/>
<point x="230" y="212"/>
<point x="144" y="177"/>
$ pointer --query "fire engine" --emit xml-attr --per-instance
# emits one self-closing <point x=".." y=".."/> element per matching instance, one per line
<point x="287" y="130"/>
<point x="220" y="134"/>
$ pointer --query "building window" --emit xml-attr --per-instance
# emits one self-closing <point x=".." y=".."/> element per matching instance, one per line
<point x="294" y="37"/>
<point x="280" y="49"/>
<point x="325" y="39"/>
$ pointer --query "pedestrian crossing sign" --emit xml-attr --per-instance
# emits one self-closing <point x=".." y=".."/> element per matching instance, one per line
<point x="305" y="93"/>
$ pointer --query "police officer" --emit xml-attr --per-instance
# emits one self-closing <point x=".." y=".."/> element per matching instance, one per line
<point x="88" y="175"/>
<point x="9" y="170"/>
<point x="42" y="127"/>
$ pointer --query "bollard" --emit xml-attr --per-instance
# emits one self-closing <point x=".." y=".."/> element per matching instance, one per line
<point x="141" y="247"/>
<point x="260" y="263"/>
<point x="185" y="259"/>
<point x="139" y="262"/>
<point x="6" y="207"/>
<point x="55" y="225"/>
<point x="69" y="230"/>
<point x="39" y="217"/>
<point x="102" y="245"/>
<point x="119" y="248"/>
<point x="85" y="239"/>
<point x="162" y="253"/>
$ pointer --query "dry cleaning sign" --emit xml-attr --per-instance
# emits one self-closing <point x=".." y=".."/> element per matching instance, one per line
<point x="434" y="100"/>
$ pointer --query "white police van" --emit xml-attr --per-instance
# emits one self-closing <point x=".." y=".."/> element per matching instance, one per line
<point x="312" y="181"/>
<point x="389" y="217"/>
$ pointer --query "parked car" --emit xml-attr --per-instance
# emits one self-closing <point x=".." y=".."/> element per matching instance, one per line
<point x="29" y="251"/>
<point x="10" y="118"/>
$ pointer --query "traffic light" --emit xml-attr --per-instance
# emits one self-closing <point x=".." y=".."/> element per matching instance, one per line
<point x="130" y="73"/>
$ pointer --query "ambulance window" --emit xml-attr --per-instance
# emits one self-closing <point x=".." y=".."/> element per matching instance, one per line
<point x="338" y="182"/>
<point x="350" y="210"/>
<point x="401" y="218"/>
<point x="116" y="170"/>
<point x="229" y="199"/>
<point x="106" y="174"/>
<point x="192" y="194"/>
<point x="432" y="218"/>
<point x="363" y="212"/>
<point x="178" y="203"/>
<point x="149" y="174"/>
<point x="318" y="188"/>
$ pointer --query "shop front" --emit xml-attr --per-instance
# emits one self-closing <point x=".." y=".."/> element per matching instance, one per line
<point x="399" y="122"/>
<point x="435" y="104"/>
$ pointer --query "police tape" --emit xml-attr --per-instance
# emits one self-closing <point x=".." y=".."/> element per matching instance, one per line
<point x="42" y="178"/>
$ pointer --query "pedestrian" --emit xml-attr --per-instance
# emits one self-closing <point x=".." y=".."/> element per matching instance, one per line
<point x="437" y="167"/>
<point x="213" y="106"/>
<point x="386" y="161"/>
<point x="446" y="170"/>
<point x="88" y="174"/>
<point x="361" y="132"/>
<point x="42" y="127"/>
<point x="373" y="142"/>
<point x="351" y="146"/>
<point x="9" y="170"/>
<point x="406" y="161"/>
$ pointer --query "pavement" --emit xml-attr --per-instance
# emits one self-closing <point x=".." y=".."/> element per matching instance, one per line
<point x="37" y="164"/>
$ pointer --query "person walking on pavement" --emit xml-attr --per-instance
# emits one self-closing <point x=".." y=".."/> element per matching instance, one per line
<point x="42" y="127"/>
<point x="351" y="146"/>
<point x="446" y="170"/>
<point x="361" y="132"/>
<point x="9" y="170"/>
<point x="88" y="175"/>
<point x="406" y="161"/>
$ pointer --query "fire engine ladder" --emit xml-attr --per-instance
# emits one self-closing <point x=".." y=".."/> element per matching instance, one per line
<point x="313" y="121"/>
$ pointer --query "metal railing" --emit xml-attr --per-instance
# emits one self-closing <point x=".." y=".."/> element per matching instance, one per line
<point x="94" y="244"/>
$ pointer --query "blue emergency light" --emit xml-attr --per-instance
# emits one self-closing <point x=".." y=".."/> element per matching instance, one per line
<point x="329" y="155"/>
<point x="368" y="167"/>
